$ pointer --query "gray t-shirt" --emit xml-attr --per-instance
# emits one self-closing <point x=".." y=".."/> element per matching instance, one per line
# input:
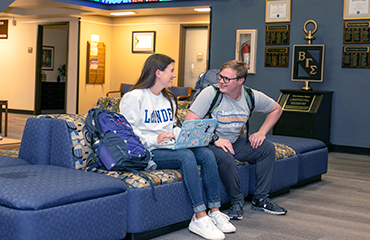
<point x="231" y="114"/>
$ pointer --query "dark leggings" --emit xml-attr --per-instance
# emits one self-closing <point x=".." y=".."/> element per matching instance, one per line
<point x="263" y="157"/>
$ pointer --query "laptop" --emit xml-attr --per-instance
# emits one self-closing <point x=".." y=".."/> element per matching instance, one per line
<point x="194" y="133"/>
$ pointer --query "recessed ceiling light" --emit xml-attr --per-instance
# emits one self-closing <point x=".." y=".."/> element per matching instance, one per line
<point x="122" y="13"/>
<point x="202" y="9"/>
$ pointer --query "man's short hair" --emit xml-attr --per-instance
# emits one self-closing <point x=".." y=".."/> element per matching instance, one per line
<point x="240" y="67"/>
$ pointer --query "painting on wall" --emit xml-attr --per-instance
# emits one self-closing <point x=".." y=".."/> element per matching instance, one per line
<point x="47" y="58"/>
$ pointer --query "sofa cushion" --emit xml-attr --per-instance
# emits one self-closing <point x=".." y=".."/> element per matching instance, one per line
<point x="7" y="161"/>
<point x="300" y="145"/>
<point x="165" y="176"/>
<point x="36" y="187"/>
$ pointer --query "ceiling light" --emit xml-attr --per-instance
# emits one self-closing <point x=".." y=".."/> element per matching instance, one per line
<point x="202" y="9"/>
<point x="122" y="13"/>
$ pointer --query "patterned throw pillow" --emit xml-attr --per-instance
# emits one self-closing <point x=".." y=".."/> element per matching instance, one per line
<point x="140" y="180"/>
<point x="10" y="152"/>
<point x="109" y="103"/>
<point x="182" y="110"/>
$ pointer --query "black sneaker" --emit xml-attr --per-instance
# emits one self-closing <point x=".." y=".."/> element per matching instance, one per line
<point x="265" y="205"/>
<point x="236" y="210"/>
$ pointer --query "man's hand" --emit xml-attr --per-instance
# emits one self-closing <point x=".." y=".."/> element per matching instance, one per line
<point x="225" y="145"/>
<point x="256" y="139"/>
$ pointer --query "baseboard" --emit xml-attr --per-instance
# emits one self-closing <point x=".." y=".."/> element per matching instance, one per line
<point x="307" y="181"/>
<point x="19" y="111"/>
<point x="353" y="150"/>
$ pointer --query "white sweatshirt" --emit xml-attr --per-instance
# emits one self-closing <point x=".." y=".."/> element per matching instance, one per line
<point x="148" y="114"/>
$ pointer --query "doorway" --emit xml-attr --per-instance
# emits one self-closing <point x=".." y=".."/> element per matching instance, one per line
<point x="51" y="68"/>
<point x="193" y="56"/>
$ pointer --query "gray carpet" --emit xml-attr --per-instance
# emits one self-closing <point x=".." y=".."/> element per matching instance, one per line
<point x="337" y="207"/>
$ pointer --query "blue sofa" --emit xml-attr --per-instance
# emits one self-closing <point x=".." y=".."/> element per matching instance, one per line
<point x="133" y="211"/>
<point x="39" y="199"/>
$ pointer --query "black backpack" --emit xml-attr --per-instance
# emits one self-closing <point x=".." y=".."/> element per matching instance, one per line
<point x="204" y="80"/>
<point x="115" y="145"/>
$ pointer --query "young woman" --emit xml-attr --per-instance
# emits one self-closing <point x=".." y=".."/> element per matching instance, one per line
<point x="151" y="110"/>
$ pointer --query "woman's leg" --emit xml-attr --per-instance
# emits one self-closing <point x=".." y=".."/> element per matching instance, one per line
<point x="185" y="160"/>
<point x="210" y="177"/>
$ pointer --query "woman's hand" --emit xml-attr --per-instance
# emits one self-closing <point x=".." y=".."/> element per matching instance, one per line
<point x="164" y="136"/>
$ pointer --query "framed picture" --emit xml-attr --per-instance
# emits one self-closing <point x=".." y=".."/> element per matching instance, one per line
<point x="143" y="42"/>
<point x="277" y="11"/>
<point x="246" y="48"/>
<point x="356" y="9"/>
<point x="47" y="58"/>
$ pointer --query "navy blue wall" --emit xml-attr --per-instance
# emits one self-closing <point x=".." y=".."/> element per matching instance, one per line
<point x="350" y="116"/>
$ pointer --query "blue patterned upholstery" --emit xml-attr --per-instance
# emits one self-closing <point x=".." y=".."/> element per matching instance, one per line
<point x="8" y="161"/>
<point x="35" y="143"/>
<point x="145" y="214"/>
<point x="312" y="155"/>
<point x="51" y="202"/>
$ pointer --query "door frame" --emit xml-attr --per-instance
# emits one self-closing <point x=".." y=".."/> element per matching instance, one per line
<point x="39" y="46"/>
<point x="181" y="65"/>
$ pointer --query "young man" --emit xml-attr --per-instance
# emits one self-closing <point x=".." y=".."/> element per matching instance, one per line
<point x="227" y="143"/>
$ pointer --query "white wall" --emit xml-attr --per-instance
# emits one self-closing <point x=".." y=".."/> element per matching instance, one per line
<point x="18" y="66"/>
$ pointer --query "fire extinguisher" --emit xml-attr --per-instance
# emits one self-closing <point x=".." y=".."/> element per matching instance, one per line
<point x="246" y="54"/>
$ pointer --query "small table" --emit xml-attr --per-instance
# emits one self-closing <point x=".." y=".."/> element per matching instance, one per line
<point x="5" y="103"/>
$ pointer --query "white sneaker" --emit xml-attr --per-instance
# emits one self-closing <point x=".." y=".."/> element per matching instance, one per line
<point x="206" y="228"/>
<point x="222" y="221"/>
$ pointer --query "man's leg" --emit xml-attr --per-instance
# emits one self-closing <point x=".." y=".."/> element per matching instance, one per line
<point x="264" y="159"/>
<point x="230" y="178"/>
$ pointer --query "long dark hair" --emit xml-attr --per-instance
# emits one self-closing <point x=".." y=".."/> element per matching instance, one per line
<point x="147" y="78"/>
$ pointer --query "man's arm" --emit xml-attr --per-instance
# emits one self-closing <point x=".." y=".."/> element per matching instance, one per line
<point x="256" y="139"/>
<point x="191" y="116"/>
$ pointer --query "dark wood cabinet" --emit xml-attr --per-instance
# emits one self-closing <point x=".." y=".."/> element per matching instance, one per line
<point x="305" y="114"/>
<point x="52" y="95"/>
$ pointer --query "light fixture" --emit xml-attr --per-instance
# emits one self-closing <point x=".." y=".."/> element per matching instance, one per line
<point x="202" y="9"/>
<point x="122" y="13"/>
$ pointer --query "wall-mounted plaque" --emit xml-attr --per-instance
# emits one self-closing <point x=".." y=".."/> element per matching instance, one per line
<point x="277" y="34"/>
<point x="356" y="57"/>
<point x="356" y="32"/>
<point x="3" y="29"/>
<point x="276" y="56"/>
<point x="299" y="102"/>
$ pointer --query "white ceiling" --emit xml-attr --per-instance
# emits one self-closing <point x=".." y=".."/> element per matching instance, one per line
<point x="54" y="9"/>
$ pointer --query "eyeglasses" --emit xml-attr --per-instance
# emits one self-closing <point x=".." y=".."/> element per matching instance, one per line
<point x="225" y="79"/>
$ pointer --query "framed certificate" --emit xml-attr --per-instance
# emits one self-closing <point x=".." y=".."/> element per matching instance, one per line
<point x="356" y="9"/>
<point x="277" y="11"/>
<point x="143" y="42"/>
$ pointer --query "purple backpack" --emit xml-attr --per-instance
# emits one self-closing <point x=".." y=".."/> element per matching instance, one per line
<point x="114" y="142"/>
